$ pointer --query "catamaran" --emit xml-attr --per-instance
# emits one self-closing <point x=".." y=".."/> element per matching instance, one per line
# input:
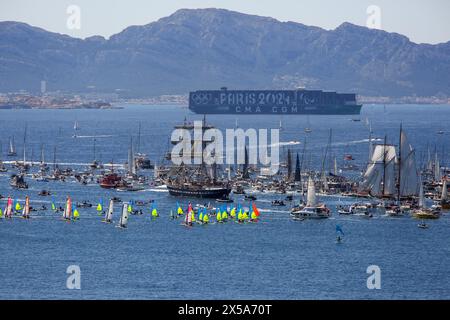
<point x="123" y="221"/>
<point x="390" y="177"/>
<point x="423" y="212"/>
<point x="312" y="210"/>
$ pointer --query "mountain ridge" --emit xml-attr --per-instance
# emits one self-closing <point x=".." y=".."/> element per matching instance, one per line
<point x="208" y="48"/>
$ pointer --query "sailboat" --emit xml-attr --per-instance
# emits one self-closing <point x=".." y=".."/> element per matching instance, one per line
<point x="379" y="178"/>
<point x="124" y="217"/>
<point x="76" y="127"/>
<point x="9" y="208"/>
<point x="189" y="216"/>
<point x="109" y="213"/>
<point x="26" y="208"/>
<point x="445" y="202"/>
<point x="423" y="212"/>
<point x="94" y="164"/>
<point x="2" y="166"/>
<point x="12" y="149"/>
<point x="312" y="210"/>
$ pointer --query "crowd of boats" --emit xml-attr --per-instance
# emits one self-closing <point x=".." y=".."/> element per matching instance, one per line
<point x="392" y="182"/>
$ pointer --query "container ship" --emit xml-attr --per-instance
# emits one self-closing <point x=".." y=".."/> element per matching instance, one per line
<point x="298" y="101"/>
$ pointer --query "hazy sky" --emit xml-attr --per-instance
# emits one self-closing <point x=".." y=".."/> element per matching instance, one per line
<point x="421" y="20"/>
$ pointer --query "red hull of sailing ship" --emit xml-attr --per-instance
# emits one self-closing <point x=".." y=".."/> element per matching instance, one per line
<point x="111" y="181"/>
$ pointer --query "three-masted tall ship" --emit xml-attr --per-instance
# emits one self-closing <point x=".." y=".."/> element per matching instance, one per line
<point x="196" y="180"/>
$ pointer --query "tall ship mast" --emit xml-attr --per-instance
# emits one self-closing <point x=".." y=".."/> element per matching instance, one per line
<point x="196" y="180"/>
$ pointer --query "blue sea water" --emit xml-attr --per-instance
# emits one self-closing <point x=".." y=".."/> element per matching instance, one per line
<point x="160" y="259"/>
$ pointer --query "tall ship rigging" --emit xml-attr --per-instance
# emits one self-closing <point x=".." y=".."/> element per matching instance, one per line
<point x="196" y="180"/>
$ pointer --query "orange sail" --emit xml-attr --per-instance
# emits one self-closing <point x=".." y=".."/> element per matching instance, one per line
<point x="255" y="209"/>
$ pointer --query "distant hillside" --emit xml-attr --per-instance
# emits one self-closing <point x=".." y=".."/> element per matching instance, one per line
<point x="210" y="48"/>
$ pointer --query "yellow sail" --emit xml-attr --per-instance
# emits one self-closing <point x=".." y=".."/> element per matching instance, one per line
<point x="254" y="216"/>
<point x="240" y="215"/>
<point x="205" y="218"/>
<point x="155" y="213"/>
<point x="180" y="211"/>
<point x="219" y="216"/>
<point x="18" y="206"/>
<point x="76" y="214"/>
<point x="224" y="215"/>
<point x="233" y="212"/>
<point x="200" y="216"/>
<point x="129" y="208"/>
<point x="1" y="213"/>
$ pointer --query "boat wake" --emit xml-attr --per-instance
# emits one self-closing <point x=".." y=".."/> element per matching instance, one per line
<point x="97" y="136"/>
<point x="356" y="142"/>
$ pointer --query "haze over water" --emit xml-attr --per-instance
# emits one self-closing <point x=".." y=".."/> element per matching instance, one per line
<point x="273" y="259"/>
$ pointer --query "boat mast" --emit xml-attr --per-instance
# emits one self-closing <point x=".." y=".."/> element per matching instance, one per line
<point x="24" y="144"/>
<point x="139" y="138"/>
<point x="384" y="166"/>
<point x="54" y="158"/>
<point x="94" y="150"/>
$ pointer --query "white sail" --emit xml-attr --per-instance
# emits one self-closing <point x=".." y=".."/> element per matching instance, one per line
<point x="156" y="172"/>
<point x="409" y="177"/>
<point x="12" y="148"/>
<point x="124" y="218"/>
<point x="444" y="194"/>
<point x="311" y="196"/>
<point x="109" y="213"/>
<point x="381" y="170"/>
<point x="437" y="169"/>
<point x="131" y="162"/>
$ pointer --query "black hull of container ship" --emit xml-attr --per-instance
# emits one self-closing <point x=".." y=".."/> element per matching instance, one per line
<point x="330" y="110"/>
<point x="215" y="193"/>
